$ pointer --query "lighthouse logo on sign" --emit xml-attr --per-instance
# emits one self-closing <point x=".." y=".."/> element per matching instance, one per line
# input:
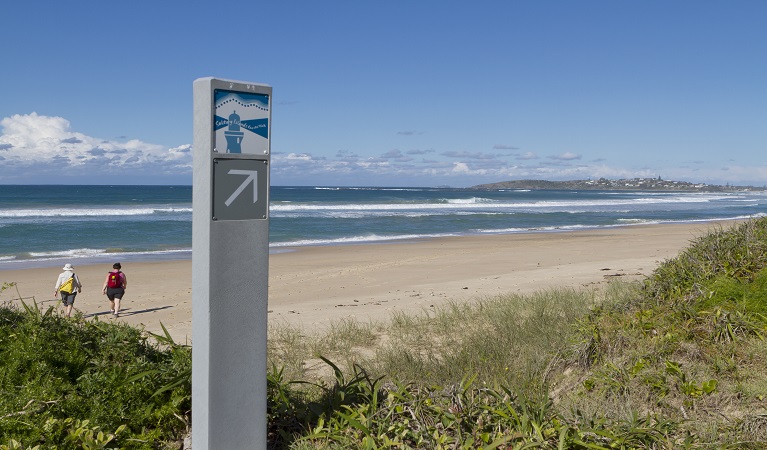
<point x="241" y="122"/>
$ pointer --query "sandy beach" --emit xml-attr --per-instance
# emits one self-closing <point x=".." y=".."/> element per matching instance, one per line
<point x="310" y="287"/>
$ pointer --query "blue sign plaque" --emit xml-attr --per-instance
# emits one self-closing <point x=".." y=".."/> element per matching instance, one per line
<point x="241" y="122"/>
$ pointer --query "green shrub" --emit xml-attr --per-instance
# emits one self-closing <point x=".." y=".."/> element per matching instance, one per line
<point x="73" y="374"/>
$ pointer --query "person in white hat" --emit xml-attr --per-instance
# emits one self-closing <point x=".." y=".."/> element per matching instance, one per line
<point x="68" y="285"/>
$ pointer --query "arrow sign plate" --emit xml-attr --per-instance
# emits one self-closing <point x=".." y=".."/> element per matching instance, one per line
<point x="240" y="189"/>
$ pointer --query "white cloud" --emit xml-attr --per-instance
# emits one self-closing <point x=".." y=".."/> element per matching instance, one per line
<point x="298" y="157"/>
<point x="567" y="156"/>
<point x="464" y="169"/>
<point x="34" y="145"/>
<point x="43" y="149"/>
<point x="181" y="151"/>
<point x="527" y="155"/>
<point x="460" y="168"/>
<point x="305" y="168"/>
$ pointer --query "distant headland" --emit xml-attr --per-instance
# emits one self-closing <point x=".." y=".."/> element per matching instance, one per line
<point x="604" y="184"/>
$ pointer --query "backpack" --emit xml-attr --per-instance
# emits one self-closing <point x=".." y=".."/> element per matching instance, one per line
<point x="66" y="287"/>
<point x="115" y="280"/>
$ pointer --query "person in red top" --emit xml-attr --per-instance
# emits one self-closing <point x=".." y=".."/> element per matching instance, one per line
<point x="114" y="287"/>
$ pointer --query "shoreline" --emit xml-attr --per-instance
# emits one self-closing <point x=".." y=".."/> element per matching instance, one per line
<point x="11" y="264"/>
<point x="313" y="287"/>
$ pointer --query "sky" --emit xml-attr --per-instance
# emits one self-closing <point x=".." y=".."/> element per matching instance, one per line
<point x="395" y="93"/>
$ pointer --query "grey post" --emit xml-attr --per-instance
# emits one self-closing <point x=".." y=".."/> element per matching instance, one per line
<point x="230" y="263"/>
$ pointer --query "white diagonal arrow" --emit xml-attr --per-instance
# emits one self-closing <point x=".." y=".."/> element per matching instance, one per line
<point x="252" y="176"/>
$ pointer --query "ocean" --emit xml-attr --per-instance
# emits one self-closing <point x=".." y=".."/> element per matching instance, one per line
<point x="45" y="226"/>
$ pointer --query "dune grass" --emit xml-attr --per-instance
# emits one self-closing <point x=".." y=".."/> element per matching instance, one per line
<point x="675" y="361"/>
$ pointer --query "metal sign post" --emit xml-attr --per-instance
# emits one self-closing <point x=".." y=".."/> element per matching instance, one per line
<point x="230" y="263"/>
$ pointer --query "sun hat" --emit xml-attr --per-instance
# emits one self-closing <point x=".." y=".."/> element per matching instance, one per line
<point x="68" y="266"/>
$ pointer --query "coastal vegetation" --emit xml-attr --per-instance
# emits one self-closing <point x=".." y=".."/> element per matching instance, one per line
<point x="86" y="384"/>
<point x="677" y="360"/>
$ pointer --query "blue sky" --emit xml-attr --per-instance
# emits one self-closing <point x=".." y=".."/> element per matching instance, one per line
<point x="420" y="93"/>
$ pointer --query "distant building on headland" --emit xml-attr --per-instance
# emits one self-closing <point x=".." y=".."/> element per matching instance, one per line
<point x="633" y="184"/>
